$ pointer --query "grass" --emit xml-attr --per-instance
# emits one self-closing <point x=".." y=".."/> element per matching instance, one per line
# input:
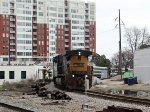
<point x="1" y="87"/>
<point x="17" y="86"/>
<point x="22" y="86"/>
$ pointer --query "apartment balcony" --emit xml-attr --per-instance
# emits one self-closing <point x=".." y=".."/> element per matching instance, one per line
<point x="86" y="8"/>
<point x="67" y="18"/>
<point x="66" y="34"/>
<point x="86" y="24"/>
<point x="66" y="40"/>
<point x="12" y="25"/>
<point x="35" y="4"/>
<point x="34" y="27"/>
<point x="34" y="38"/>
<point x="11" y="1"/>
<point x="87" y="36"/>
<point x="66" y="45"/>
<point x="86" y="30"/>
<point x="34" y="50"/>
<point x="34" y="33"/>
<point x="12" y="43"/>
<point x="12" y="55"/>
<point x="34" y="15"/>
<point x="12" y="49"/>
<point x="67" y="12"/>
<point x="34" y="55"/>
<point x="12" y="31"/>
<point x="86" y="19"/>
<point x="87" y="47"/>
<point x="66" y="29"/>
<point x="12" y="37"/>
<point x="34" y="44"/>
<point x="34" y="21"/>
<point x="12" y="7"/>
<point x="12" y="19"/>
<point x="34" y="9"/>
<point x="12" y="11"/>
<point x="66" y="23"/>
<point x="86" y="13"/>
<point x="87" y="41"/>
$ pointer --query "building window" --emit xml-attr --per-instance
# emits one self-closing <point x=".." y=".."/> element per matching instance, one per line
<point x="3" y="34"/>
<point x="23" y="74"/>
<point x="7" y="35"/>
<point x="2" y="75"/>
<point x="5" y="59"/>
<point x="11" y="74"/>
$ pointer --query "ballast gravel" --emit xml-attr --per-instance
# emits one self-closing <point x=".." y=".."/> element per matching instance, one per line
<point x="79" y="103"/>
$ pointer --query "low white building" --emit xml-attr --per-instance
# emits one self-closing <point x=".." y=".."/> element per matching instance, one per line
<point x="100" y="72"/>
<point x="18" y="73"/>
<point x="142" y="65"/>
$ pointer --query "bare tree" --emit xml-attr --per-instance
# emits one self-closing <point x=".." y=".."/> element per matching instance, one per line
<point x="145" y="36"/>
<point x="115" y="60"/>
<point x="137" y="37"/>
<point x="127" y="59"/>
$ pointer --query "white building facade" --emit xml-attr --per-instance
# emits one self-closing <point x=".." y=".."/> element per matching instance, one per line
<point x="18" y="73"/>
<point x="142" y="65"/>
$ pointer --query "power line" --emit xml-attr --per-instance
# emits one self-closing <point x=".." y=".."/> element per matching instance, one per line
<point x="108" y="30"/>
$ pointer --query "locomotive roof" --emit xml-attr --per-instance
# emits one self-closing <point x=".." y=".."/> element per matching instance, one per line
<point x="76" y="52"/>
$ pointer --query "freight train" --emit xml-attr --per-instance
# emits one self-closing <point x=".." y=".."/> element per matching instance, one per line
<point x="72" y="69"/>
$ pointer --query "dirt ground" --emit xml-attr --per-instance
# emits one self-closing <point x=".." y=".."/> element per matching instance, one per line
<point x="115" y="83"/>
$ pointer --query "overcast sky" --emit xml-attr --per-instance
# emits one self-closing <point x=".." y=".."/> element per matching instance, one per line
<point x="133" y="13"/>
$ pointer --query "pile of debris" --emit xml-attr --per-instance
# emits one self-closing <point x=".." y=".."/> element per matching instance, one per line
<point x="120" y="109"/>
<point x="57" y="95"/>
<point x="40" y="89"/>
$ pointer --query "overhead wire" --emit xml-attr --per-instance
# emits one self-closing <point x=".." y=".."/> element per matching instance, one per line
<point x="107" y="30"/>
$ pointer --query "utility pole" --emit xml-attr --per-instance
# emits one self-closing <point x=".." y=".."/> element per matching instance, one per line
<point x="120" y="57"/>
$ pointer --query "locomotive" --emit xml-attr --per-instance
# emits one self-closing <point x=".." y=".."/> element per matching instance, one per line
<point x="72" y="69"/>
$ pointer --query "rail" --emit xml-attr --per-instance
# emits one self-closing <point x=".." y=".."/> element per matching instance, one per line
<point x="15" y="108"/>
<point x="122" y="98"/>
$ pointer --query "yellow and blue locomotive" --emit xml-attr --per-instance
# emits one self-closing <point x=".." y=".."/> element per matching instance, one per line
<point x="72" y="68"/>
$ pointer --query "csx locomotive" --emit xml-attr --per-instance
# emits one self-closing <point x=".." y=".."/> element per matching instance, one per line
<point x="71" y="69"/>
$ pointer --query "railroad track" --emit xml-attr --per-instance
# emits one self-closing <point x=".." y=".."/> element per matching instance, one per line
<point x="15" y="108"/>
<point x="122" y="98"/>
<point x="115" y="97"/>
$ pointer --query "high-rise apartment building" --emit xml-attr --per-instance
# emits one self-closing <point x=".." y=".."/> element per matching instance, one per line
<point x="32" y="30"/>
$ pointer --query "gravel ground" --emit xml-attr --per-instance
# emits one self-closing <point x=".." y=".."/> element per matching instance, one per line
<point x="115" y="83"/>
<point x="38" y="104"/>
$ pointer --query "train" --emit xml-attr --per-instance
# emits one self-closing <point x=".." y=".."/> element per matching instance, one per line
<point x="100" y="72"/>
<point x="72" y="69"/>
